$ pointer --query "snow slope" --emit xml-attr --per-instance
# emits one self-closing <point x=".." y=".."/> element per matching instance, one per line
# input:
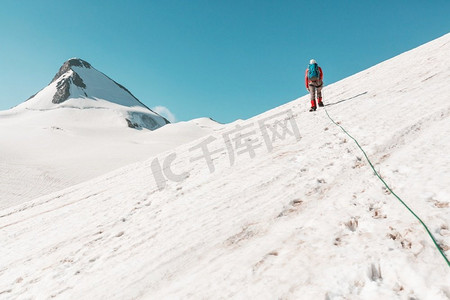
<point x="307" y="220"/>
<point x="46" y="151"/>
<point x="48" y="146"/>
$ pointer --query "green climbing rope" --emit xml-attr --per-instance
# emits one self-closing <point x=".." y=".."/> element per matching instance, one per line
<point x="390" y="190"/>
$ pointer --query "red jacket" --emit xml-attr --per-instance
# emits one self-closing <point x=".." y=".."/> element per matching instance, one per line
<point x="306" y="77"/>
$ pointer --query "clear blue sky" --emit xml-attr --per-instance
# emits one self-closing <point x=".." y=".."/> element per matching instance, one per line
<point x="220" y="59"/>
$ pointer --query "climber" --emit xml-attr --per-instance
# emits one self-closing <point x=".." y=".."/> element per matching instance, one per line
<point x="314" y="83"/>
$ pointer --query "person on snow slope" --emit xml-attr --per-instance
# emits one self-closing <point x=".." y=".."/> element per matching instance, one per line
<point x="314" y="83"/>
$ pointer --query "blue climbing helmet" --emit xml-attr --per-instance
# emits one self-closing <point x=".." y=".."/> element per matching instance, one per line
<point x="313" y="70"/>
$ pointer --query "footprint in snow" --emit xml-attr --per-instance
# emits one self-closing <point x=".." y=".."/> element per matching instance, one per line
<point x="352" y="224"/>
<point x="259" y="264"/>
<point x="377" y="214"/>
<point x="374" y="273"/>
<point x="337" y="241"/>
<point x="293" y="207"/>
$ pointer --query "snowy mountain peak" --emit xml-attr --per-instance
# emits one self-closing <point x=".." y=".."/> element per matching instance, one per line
<point x="78" y="85"/>
<point x="66" y="76"/>
<point x="73" y="62"/>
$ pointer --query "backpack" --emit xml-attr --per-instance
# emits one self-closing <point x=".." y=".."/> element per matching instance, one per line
<point x="313" y="72"/>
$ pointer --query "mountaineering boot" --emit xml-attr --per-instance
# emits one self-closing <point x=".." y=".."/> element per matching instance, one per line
<point x="313" y="105"/>
<point x="320" y="102"/>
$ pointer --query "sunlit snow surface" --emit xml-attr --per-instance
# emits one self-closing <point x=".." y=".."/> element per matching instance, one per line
<point x="46" y="147"/>
<point x="308" y="220"/>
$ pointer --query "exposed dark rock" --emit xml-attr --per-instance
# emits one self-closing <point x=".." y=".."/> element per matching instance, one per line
<point x="76" y="79"/>
<point x="215" y="121"/>
<point x="62" y="91"/>
<point x="77" y="62"/>
<point x="143" y="120"/>
<point x="63" y="88"/>
<point x="140" y="120"/>
<point x="131" y="124"/>
<point x="74" y="62"/>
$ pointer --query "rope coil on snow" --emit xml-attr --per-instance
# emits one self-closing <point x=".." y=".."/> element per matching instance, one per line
<point x="390" y="190"/>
